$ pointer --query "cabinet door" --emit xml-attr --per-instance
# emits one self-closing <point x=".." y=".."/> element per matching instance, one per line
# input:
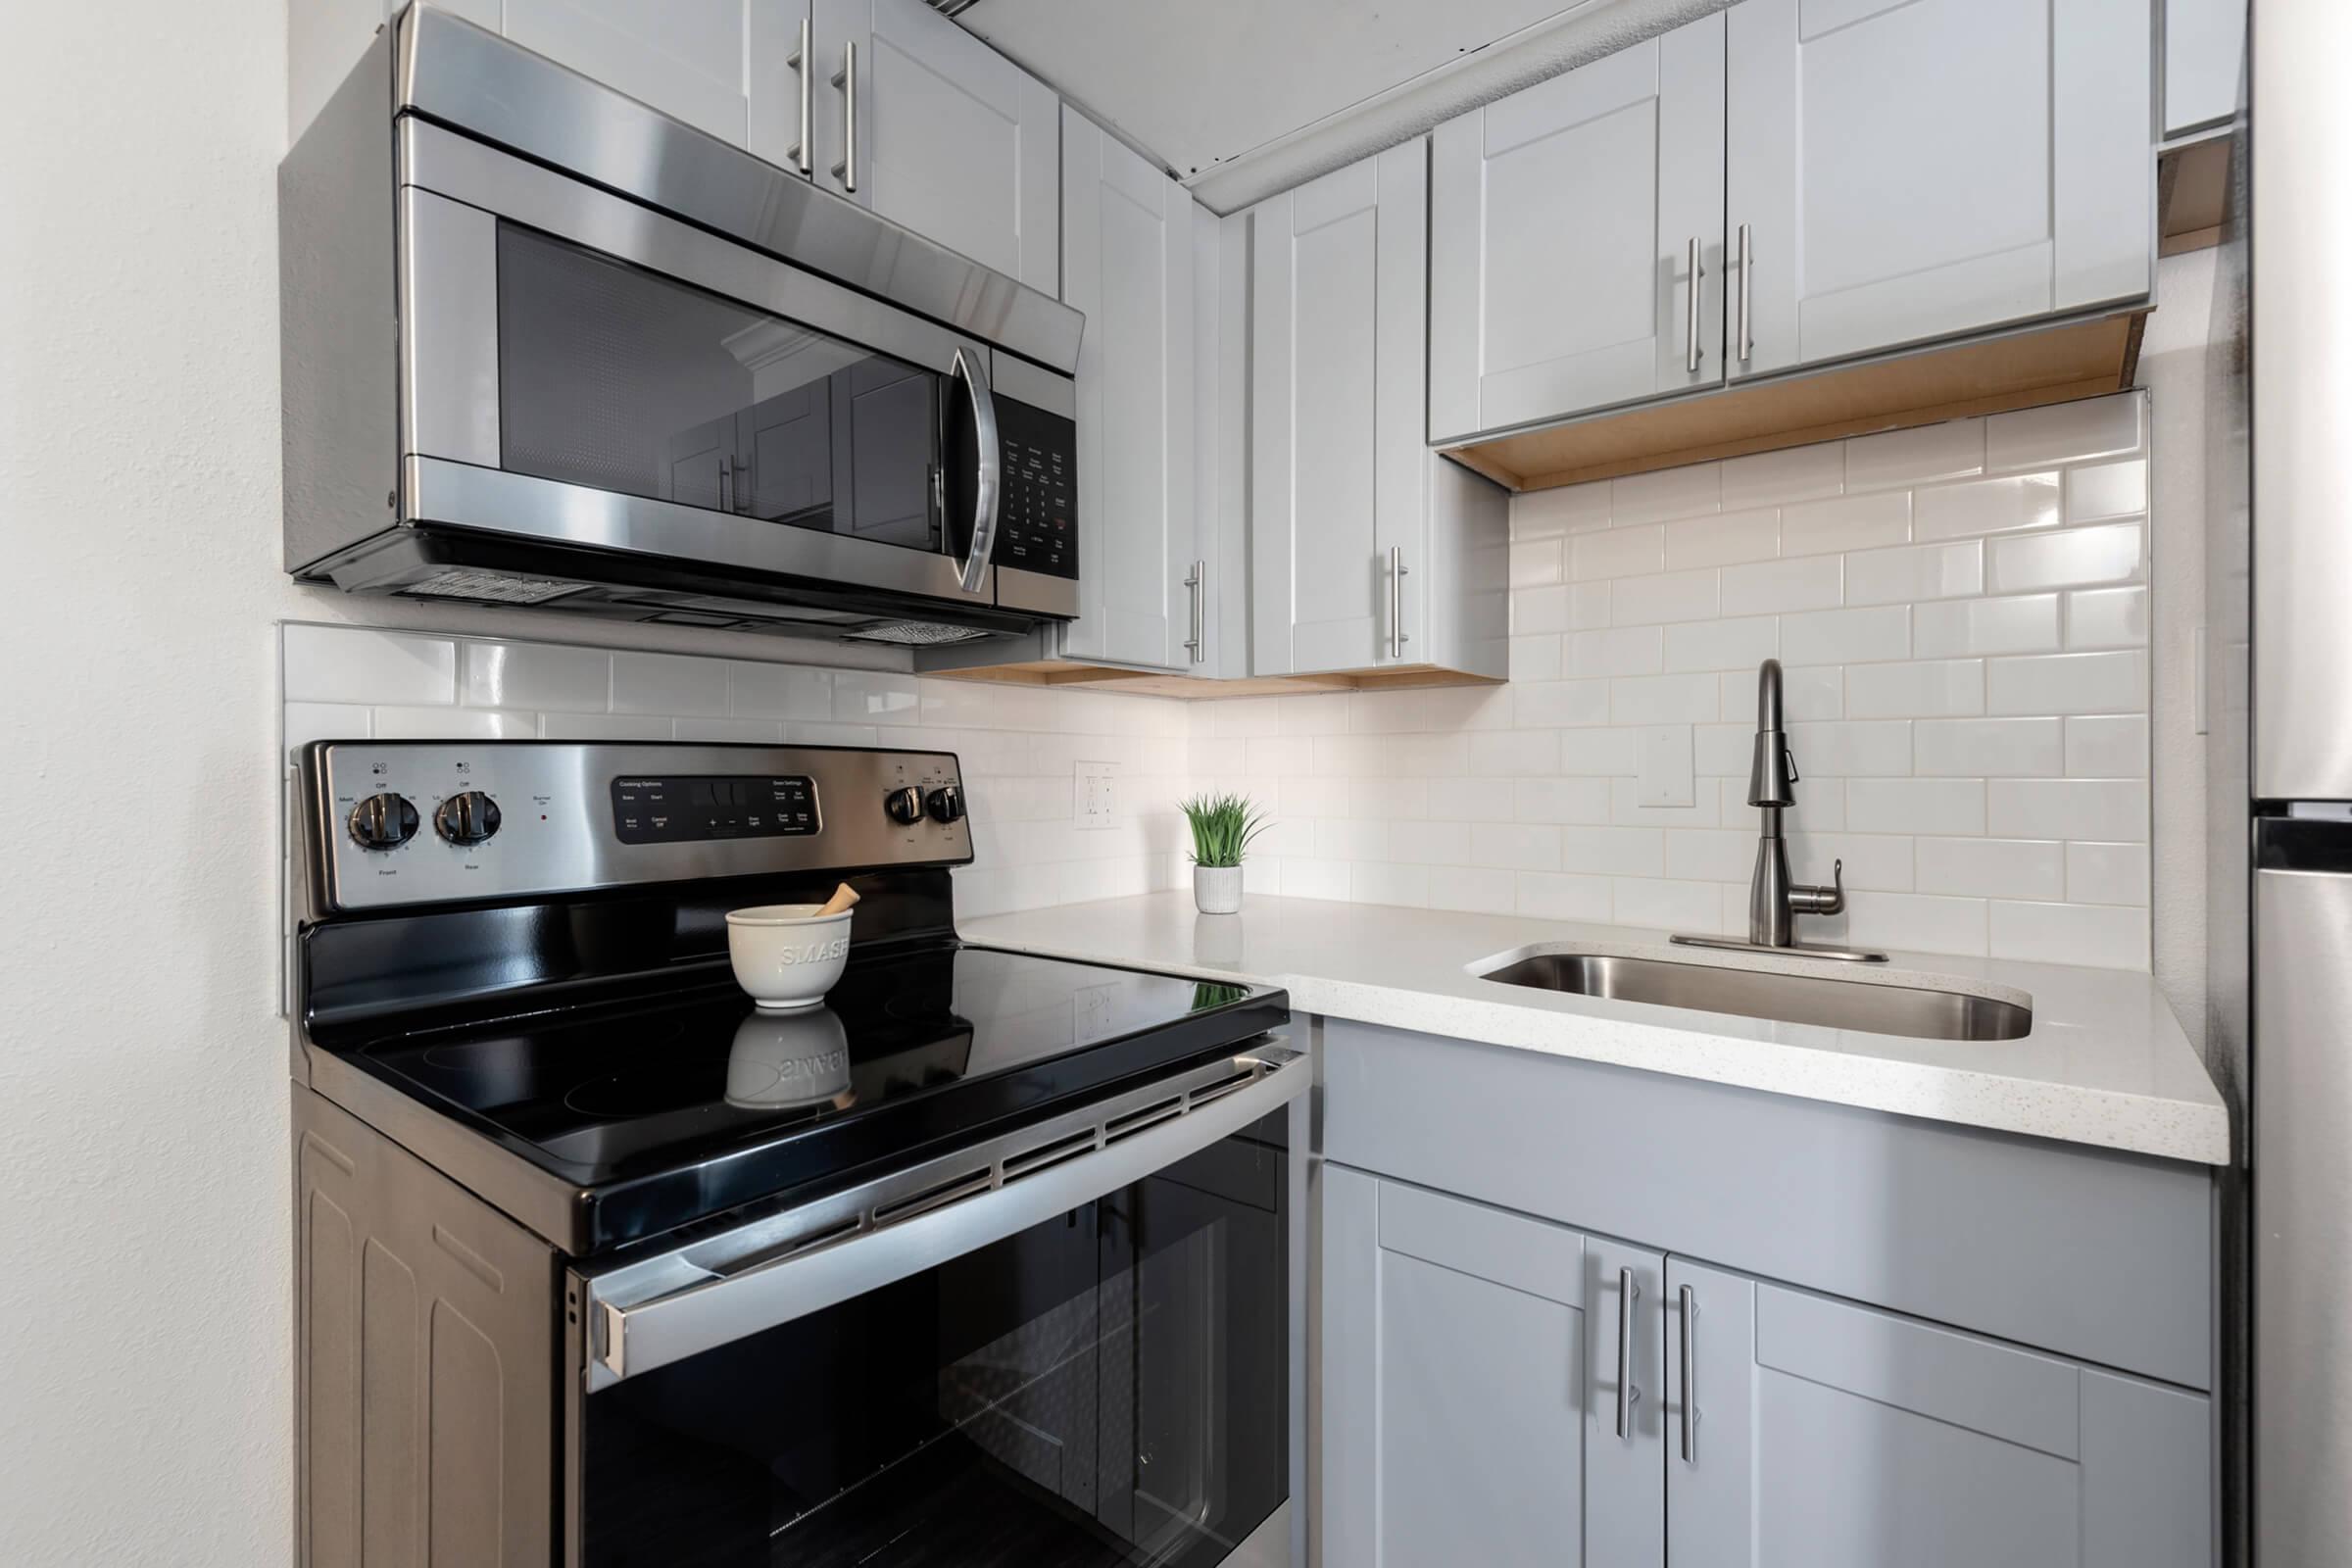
<point x="1337" y="290"/>
<point x="1912" y="168"/>
<point x="1470" y="1387"/>
<point x="1563" y="222"/>
<point x="952" y="140"/>
<point x="1128" y="231"/>
<point x="690" y="59"/>
<point x="1805" y="1430"/>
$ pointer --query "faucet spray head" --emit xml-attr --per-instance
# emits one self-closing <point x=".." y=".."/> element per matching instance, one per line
<point x="1772" y="771"/>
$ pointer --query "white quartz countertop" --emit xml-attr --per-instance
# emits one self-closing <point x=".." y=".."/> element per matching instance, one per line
<point x="2106" y="1062"/>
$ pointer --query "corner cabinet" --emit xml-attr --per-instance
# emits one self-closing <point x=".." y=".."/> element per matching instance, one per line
<point x="1573" y="226"/>
<point x="1369" y="553"/>
<point x="1129" y="248"/>
<point x="1490" y="1387"/>
<point x="1907" y="170"/>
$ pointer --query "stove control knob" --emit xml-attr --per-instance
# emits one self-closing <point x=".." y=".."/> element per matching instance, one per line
<point x="905" y="806"/>
<point x="467" y="818"/>
<point x="383" y="821"/>
<point x="944" y="803"/>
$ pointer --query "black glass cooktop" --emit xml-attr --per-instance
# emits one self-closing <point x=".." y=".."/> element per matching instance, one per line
<point x="666" y="1107"/>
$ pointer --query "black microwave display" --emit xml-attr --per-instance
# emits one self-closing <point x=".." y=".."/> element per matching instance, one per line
<point x="1038" y="526"/>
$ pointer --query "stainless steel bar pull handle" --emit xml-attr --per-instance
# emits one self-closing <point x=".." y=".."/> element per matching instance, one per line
<point x="1195" y="643"/>
<point x="801" y="156"/>
<point x="846" y="170"/>
<point x="988" y="481"/>
<point x="1397" y="572"/>
<point x="1689" y="1363"/>
<point x="1628" y="1292"/>
<point x="1690" y="354"/>
<point x="1744" y="330"/>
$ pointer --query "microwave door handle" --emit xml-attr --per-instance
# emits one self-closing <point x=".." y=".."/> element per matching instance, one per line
<point x="989" y="482"/>
<point x="677" y="1304"/>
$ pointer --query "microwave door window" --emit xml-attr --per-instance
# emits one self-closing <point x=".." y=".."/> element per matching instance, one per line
<point x="618" y="378"/>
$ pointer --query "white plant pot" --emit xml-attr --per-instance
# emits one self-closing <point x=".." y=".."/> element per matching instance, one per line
<point x="1217" y="889"/>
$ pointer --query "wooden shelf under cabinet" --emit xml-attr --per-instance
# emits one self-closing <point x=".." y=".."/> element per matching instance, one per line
<point x="1146" y="683"/>
<point x="2019" y="370"/>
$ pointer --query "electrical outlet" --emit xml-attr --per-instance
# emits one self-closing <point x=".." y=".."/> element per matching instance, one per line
<point x="1096" y="802"/>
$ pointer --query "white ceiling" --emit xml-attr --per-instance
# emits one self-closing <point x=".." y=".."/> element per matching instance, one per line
<point x="1197" y="82"/>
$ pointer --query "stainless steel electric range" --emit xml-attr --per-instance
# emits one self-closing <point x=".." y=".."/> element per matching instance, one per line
<point x="987" y="1259"/>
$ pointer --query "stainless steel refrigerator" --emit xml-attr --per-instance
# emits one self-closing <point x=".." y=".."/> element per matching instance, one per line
<point x="2280" y="761"/>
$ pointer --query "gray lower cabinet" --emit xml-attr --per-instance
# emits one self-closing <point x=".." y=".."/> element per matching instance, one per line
<point x="1491" y="1385"/>
<point x="1811" y="1431"/>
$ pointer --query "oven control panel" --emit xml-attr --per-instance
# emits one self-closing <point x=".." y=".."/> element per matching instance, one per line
<point x="393" y="823"/>
<point x="1037" y="528"/>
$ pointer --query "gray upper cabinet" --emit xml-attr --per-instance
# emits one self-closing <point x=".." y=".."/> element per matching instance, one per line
<point x="2204" y="59"/>
<point x="1807" y="1429"/>
<point x="1367" y="552"/>
<point x="1129" y="251"/>
<point x="1565" y="221"/>
<point x="1490" y="1387"/>
<point x="952" y="140"/>
<point x="1908" y="170"/>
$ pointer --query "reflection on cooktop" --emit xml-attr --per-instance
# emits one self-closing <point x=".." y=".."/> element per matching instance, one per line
<point x="687" y="1075"/>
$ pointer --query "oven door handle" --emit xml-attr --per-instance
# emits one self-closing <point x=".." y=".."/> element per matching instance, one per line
<point x="988" y="478"/>
<point x="707" y="1293"/>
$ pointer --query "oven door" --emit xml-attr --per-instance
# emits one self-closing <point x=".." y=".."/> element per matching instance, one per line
<point x="582" y="370"/>
<point x="1070" y="1346"/>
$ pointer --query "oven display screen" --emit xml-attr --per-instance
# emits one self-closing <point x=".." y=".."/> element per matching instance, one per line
<point x="690" y="808"/>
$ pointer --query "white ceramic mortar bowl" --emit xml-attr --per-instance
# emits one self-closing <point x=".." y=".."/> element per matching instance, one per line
<point x="787" y="955"/>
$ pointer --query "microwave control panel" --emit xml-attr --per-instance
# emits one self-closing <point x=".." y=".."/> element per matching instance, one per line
<point x="1037" y="521"/>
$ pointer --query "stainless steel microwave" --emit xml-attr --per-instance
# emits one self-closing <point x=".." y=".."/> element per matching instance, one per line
<point x="543" y="344"/>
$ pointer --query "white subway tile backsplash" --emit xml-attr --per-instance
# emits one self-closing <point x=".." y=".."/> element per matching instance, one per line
<point x="2066" y="432"/>
<point x="1914" y="571"/>
<point x="1663" y="699"/>
<point x="2111" y="553"/>
<point x="1668" y="493"/>
<point x="2105" y="809"/>
<point x="2027" y="626"/>
<point x="1935" y="806"/>
<point x="1933" y="452"/>
<point x="1850" y="748"/>
<point x="1668" y="597"/>
<point x="1517" y="846"/>
<point x="793" y="691"/>
<point x="2106" y="874"/>
<point x="1539" y="657"/>
<point x="1567" y="509"/>
<point x="534" y="675"/>
<point x="1846" y="636"/>
<point x="2107" y="490"/>
<point x="2069" y="683"/>
<point x="1613" y="851"/>
<point x="1716" y="541"/>
<point x="606" y="727"/>
<point x="1815" y="691"/>
<point x="1616" y="553"/>
<point x="1511" y="753"/>
<point x="1535" y="562"/>
<point x="1741" y="643"/>
<point x="1851" y="522"/>
<point x="1989" y="747"/>
<point x="1561" y="703"/>
<point x="1992" y="868"/>
<point x="1711" y="855"/>
<point x="1552" y="895"/>
<point x="1874" y="860"/>
<point x="2107" y="617"/>
<point x="669" y="683"/>
<point x="2107" y="746"/>
<point x="1947" y="688"/>
<point x="2114" y="938"/>
<point x="861" y="697"/>
<point x="327" y="721"/>
<point x="1623" y="650"/>
<point x="1929" y="922"/>
<point x="1986" y="505"/>
<point x="757" y="731"/>
<point x="399" y="723"/>
<point x="1560" y="799"/>
<point x="1471" y="887"/>
<point x="1800" y="473"/>
<point x="361" y="664"/>
<point x="1813" y="583"/>
<point x="1663" y="905"/>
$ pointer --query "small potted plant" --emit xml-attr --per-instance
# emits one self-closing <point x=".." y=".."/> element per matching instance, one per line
<point x="1222" y="827"/>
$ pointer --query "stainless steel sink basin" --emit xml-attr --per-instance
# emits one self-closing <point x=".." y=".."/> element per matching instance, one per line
<point x="1840" y="1002"/>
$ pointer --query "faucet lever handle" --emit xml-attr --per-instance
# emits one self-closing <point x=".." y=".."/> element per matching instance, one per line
<point x="1788" y="756"/>
<point x="1804" y="898"/>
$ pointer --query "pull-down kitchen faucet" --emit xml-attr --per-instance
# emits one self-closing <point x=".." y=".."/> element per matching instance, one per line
<point x="1774" y="902"/>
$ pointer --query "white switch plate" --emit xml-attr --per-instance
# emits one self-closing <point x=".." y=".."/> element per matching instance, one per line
<point x="1665" y="773"/>
<point x="1096" y="802"/>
